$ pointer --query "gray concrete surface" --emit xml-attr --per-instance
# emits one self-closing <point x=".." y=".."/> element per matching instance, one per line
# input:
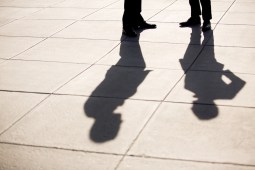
<point x="77" y="94"/>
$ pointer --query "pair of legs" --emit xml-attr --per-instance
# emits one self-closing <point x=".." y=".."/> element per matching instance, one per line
<point x="196" y="12"/>
<point x="132" y="18"/>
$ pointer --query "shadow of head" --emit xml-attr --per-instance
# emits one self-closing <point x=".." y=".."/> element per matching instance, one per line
<point x="106" y="123"/>
<point x="205" y="112"/>
<point x="105" y="129"/>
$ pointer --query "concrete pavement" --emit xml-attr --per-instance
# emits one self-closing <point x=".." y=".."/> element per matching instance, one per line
<point x="77" y="94"/>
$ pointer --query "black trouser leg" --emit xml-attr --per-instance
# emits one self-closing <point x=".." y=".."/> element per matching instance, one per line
<point x="195" y="8"/>
<point x="132" y="13"/>
<point x="206" y="10"/>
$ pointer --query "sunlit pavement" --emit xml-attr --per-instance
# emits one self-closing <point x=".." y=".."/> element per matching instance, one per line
<point x="76" y="94"/>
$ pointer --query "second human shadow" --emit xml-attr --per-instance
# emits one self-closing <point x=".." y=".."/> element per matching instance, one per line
<point x="207" y="83"/>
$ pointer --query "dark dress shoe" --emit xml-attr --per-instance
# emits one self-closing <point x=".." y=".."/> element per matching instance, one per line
<point x="191" y="22"/>
<point x="146" y="25"/>
<point x="206" y="26"/>
<point x="129" y="31"/>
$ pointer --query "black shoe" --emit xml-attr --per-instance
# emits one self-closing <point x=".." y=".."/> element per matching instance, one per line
<point x="129" y="31"/>
<point x="206" y="26"/>
<point x="191" y="22"/>
<point x="146" y="25"/>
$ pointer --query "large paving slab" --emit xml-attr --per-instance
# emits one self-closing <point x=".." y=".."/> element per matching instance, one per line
<point x="243" y="6"/>
<point x="176" y="132"/>
<point x="123" y="82"/>
<point x="25" y="3"/>
<point x="12" y="46"/>
<point x="234" y="35"/>
<point x="106" y="15"/>
<point x="21" y="102"/>
<point x="221" y="88"/>
<point x="35" y="76"/>
<point x="152" y="55"/>
<point x="85" y="4"/>
<point x="16" y="13"/>
<point x="69" y="50"/>
<point x="15" y="157"/>
<point x="239" y="18"/>
<point x="109" y="30"/>
<point x="138" y="163"/>
<point x="36" y="28"/>
<point x="61" y="13"/>
<point x="89" y="124"/>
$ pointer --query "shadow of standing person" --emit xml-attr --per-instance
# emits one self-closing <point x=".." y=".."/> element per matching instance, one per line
<point x="209" y="85"/>
<point x="120" y="83"/>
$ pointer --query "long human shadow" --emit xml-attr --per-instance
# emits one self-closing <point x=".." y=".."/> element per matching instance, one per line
<point x="209" y="85"/>
<point x="120" y="83"/>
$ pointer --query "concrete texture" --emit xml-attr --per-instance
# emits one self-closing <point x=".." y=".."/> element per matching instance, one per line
<point x="77" y="94"/>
